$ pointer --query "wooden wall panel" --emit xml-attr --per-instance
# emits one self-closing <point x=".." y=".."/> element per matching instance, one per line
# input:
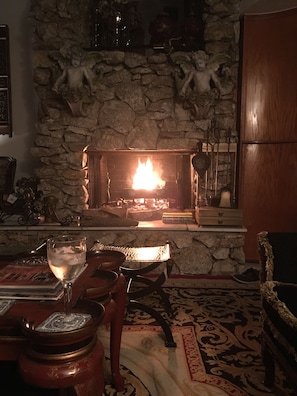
<point x="268" y="126"/>
<point x="269" y="77"/>
<point x="269" y="186"/>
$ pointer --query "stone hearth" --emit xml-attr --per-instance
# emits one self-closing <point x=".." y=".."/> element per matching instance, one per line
<point x="196" y="250"/>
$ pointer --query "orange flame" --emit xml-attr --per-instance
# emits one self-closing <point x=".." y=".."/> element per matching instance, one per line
<point x="146" y="178"/>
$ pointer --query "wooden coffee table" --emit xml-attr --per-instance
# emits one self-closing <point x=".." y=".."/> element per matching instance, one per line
<point x="100" y="291"/>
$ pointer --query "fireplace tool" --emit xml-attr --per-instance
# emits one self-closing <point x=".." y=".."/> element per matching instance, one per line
<point x="214" y="142"/>
<point x="217" y="163"/>
<point x="201" y="163"/>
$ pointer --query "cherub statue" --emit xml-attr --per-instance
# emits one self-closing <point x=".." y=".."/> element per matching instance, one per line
<point x="76" y="81"/>
<point x="197" y="82"/>
<point x="62" y="8"/>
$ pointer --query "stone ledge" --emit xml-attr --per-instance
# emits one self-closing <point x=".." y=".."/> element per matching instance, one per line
<point x="195" y="250"/>
<point x="143" y="225"/>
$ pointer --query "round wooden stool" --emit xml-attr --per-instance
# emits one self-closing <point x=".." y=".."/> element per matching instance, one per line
<point x="70" y="360"/>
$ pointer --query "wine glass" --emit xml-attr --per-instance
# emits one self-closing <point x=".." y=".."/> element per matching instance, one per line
<point x="66" y="257"/>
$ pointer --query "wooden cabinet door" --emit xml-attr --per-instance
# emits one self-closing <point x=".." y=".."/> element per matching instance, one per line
<point x="268" y="126"/>
<point x="269" y="195"/>
<point x="269" y="77"/>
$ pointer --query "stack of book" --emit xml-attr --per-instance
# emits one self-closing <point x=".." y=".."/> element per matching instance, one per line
<point x="30" y="282"/>
<point x="178" y="217"/>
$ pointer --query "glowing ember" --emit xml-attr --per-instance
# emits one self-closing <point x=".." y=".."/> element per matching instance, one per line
<point x="146" y="178"/>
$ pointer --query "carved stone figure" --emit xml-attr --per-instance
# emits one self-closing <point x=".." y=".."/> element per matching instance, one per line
<point x="62" y="8"/>
<point x="197" y="81"/>
<point x="76" y="81"/>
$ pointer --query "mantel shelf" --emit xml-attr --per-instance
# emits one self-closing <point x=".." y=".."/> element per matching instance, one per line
<point x="157" y="225"/>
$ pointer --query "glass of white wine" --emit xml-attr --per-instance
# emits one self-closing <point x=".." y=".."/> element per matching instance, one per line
<point x="66" y="257"/>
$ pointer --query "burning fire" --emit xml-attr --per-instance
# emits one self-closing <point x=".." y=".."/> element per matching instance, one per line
<point x="146" y="178"/>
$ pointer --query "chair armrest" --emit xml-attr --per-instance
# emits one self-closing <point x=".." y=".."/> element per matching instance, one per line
<point x="278" y="256"/>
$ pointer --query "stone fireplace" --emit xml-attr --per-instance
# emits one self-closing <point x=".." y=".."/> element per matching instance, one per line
<point x="132" y="105"/>
<point x="147" y="181"/>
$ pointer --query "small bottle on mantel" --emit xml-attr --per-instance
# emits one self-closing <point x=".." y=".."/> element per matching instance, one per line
<point x="117" y="30"/>
<point x="100" y="29"/>
<point x="192" y="28"/>
<point x="161" y="29"/>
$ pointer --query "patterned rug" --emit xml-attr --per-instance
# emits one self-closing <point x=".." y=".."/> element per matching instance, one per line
<point x="143" y="351"/>
<point x="216" y="325"/>
<point x="217" y="330"/>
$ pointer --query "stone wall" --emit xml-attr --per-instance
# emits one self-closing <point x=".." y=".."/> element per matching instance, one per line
<point x="132" y="101"/>
<point x="194" y="252"/>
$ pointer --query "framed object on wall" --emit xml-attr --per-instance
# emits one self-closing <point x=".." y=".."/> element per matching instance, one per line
<point x="5" y="91"/>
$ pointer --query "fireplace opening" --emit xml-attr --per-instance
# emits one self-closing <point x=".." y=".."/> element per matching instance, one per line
<point x="141" y="180"/>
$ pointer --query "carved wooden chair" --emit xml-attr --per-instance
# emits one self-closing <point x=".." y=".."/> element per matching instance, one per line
<point x="278" y="277"/>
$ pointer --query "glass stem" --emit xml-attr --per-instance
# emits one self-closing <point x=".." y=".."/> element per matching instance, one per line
<point x="67" y="297"/>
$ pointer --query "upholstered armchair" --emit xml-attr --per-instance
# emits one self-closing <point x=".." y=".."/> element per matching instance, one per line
<point x="278" y="276"/>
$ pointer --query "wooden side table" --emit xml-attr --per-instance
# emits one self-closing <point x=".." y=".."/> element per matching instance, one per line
<point x="112" y="261"/>
<point x="71" y="360"/>
<point x="96" y="285"/>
